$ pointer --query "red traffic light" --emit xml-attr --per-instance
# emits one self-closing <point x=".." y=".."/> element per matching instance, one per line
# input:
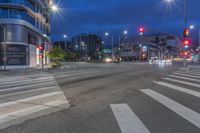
<point x="40" y="48"/>
<point x="186" y="41"/>
<point x="186" y="53"/>
<point x="141" y="29"/>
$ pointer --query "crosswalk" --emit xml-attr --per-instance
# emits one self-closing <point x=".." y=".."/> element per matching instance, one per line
<point x="183" y="81"/>
<point x="27" y="97"/>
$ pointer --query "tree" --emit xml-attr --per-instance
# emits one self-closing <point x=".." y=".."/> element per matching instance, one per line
<point x="56" y="54"/>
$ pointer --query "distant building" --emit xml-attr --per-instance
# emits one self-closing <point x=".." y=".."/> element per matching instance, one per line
<point x="155" y="45"/>
<point x="87" y="45"/>
<point x="65" y="45"/>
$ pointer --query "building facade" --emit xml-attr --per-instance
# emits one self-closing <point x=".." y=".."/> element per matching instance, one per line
<point x="65" y="45"/>
<point x="24" y="26"/>
<point x="87" y="45"/>
<point x="144" y="47"/>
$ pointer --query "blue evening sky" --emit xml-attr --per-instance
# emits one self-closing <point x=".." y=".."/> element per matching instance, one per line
<point x="99" y="16"/>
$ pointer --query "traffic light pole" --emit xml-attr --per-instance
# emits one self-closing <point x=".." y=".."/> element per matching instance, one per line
<point x="43" y="55"/>
<point x="185" y="13"/>
<point x="4" y="46"/>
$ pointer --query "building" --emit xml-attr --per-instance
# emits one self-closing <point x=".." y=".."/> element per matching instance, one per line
<point x="65" y="45"/>
<point x="87" y="45"/>
<point x="24" y="26"/>
<point x="154" y="45"/>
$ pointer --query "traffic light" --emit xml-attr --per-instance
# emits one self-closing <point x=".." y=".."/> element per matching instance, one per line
<point x="186" y="53"/>
<point x="141" y="30"/>
<point x="186" y="43"/>
<point x="186" y="32"/>
<point x="41" y="48"/>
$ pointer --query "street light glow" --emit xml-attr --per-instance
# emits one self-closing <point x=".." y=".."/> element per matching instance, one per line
<point x="191" y="27"/>
<point x="54" y="8"/>
<point x="65" y="36"/>
<point x="125" y="32"/>
<point x="169" y="1"/>
<point x="168" y="4"/>
<point x="106" y="34"/>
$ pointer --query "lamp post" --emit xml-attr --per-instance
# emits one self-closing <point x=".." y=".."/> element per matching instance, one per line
<point x="125" y="32"/>
<point x="51" y="9"/>
<point x="112" y="41"/>
<point x="194" y="27"/>
<point x="85" y="47"/>
<point x="65" y="37"/>
<point x="4" y="46"/>
<point x="184" y="8"/>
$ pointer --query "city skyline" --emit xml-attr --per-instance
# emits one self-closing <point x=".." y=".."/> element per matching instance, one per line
<point x="102" y="16"/>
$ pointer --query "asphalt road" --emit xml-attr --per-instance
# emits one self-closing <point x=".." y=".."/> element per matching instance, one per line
<point x="120" y="98"/>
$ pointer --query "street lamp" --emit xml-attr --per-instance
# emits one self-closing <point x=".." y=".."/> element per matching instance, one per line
<point x="196" y="27"/>
<point x="185" y="9"/>
<point x="65" y="37"/>
<point x="50" y="9"/>
<point x="191" y="27"/>
<point x="85" y="47"/>
<point x="54" y="8"/>
<point x="125" y="32"/>
<point x="112" y="41"/>
<point x="169" y="1"/>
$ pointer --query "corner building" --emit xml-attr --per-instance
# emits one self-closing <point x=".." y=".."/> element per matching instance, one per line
<point x="24" y="26"/>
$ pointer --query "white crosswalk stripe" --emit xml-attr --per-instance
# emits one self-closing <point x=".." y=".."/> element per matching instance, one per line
<point x="186" y="78"/>
<point x="190" y="73"/>
<point x="27" y="97"/>
<point x="126" y="118"/>
<point x="176" y="107"/>
<point x="178" y="88"/>
<point x="182" y="82"/>
<point x="187" y="75"/>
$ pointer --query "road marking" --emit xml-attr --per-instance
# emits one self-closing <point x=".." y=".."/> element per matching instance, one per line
<point x="174" y="76"/>
<point x="191" y="92"/>
<point x="17" y="115"/>
<point x="30" y="99"/>
<point x="187" y="75"/>
<point x="191" y="70"/>
<point x="11" y="78"/>
<point x="178" y="108"/>
<point x="191" y="73"/>
<point x="5" y="85"/>
<point x="127" y="119"/>
<point x="182" y="82"/>
<point x="26" y="86"/>
<point x="23" y="80"/>
<point x="28" y="91"/>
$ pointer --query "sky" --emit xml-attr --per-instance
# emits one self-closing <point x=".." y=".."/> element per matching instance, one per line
<point x="114" y="16"/>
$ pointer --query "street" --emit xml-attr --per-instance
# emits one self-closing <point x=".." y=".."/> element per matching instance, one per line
<point x="104" y="98"/>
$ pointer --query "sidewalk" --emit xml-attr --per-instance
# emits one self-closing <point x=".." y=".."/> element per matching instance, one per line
<point x="22" y="71"/>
